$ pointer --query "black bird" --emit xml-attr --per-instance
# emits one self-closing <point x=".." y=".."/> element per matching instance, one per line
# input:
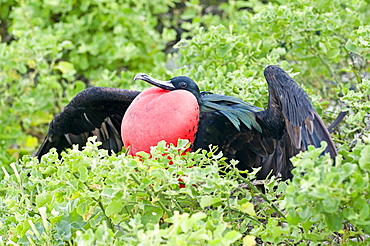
<point x="255" y="137"/>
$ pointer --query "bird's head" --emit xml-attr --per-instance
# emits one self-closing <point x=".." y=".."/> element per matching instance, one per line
<point x="176" y="83"/>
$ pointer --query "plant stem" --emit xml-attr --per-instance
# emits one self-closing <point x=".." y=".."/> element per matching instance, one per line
<point x="314" y="51"/>
<point x="229" y="207"/>
<point x="352" y="64"/>
<point x="106" y="217"/>
<point x="333" y="74"/>
<point x="111" y="226"/>
<point x="262" y="195"/>
<point x="249" y="217"/>
<point x="168" y="212"/>
<point x="177" y="205"/>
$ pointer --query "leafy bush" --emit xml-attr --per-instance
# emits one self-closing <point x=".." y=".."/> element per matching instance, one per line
<point x="132" y="195"/>
<point x="310" y="40"/>
<point x="92" y="198"/>
<point x="51" y="50"/>
<point x="60" y="48"/>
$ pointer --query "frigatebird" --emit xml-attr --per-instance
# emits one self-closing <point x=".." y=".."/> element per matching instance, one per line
<point x="177" y="109"/>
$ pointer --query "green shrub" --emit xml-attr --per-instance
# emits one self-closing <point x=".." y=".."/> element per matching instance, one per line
<point x="51" y="50"/>
<point x="138" y="198"/>
<point x="89" y="196"/>
<point x="59" y="48"/>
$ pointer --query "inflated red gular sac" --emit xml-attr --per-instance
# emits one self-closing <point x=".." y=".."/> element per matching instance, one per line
<point x="160" y="113"/>
<point x="166" y="112"/>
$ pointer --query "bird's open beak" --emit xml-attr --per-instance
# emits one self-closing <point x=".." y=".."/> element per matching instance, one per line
<point x="167" y="85"/>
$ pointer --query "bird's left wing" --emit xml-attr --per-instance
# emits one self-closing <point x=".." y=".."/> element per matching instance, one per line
<point x="289" y="103"/>
<point x="96" y="111"/>
<point x="263" y="138"/>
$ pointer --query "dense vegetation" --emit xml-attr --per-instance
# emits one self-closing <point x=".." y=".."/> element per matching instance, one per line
<point x="50" y="50"/>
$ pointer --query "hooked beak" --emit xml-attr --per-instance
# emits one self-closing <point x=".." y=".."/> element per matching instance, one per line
<point x="166" y="85"/>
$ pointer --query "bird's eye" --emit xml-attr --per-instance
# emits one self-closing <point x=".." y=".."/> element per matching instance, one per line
<point x="183" y="84"/>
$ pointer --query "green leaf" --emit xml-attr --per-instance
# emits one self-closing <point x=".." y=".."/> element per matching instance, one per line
<point x="151" y="215"/>
<point x="83" y="173"/>
<point x="223" y="49"/>
<point x="334" y="221"/>
<point x="350" y="46"/>
<point x="279" y="51"/>
<point x="114" y="207"/>
<point x="247" y="208"/>
<point x="364" y="160"/>
<point x="65" y="67"/>
<point x="43" y="198"/>
<point x="232" y="236"/>
<point x="207" y="201"/>
<point x="306" y="213"/>
<point x="249" y="240"/>
<point x="331" y="204"/>
<point x="49" y="170"/>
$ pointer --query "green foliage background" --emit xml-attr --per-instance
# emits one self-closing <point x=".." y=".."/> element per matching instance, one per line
<point x="51" y="50"/>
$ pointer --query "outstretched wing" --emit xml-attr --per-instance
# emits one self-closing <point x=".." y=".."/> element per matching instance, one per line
<point x="302" y="123"/>
<point x="289" y="125"/>
<point x="96" y="111"/>
<point x="301" y="127"/>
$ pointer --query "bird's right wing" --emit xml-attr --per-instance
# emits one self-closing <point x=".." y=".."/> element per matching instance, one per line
<point x="96" y="111"/>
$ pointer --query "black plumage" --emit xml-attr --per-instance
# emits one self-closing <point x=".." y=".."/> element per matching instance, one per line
<point x="96" y="111"/>
<point x="257" y="138"/>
